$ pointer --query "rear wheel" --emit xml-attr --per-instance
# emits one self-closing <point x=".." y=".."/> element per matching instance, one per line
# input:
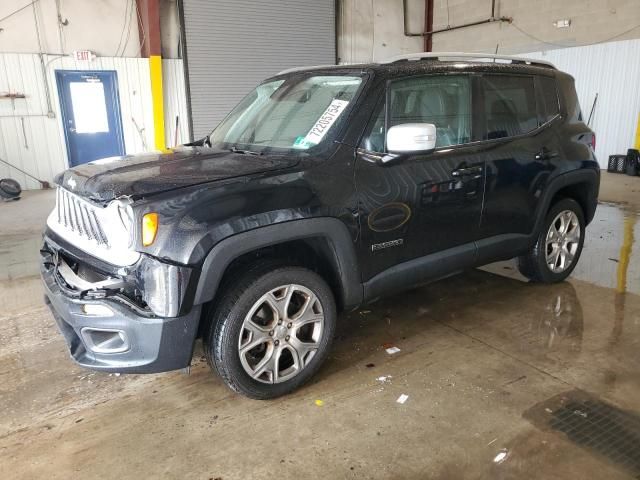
<point x="559" y="245"/>
<point x="271" y="330"/>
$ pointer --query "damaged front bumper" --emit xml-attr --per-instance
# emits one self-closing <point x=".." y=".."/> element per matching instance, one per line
<point x="117" y="320"/>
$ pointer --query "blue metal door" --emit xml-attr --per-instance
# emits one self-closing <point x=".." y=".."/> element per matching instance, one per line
<point x="90" y="114"/>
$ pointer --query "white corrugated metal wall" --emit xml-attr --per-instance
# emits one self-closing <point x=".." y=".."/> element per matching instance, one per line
<point x="612" y="70"/>
<point x="31" y="138"/>
<point x="175" y="103"/>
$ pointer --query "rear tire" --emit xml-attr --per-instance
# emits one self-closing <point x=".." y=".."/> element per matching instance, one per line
<point x="559" y="244"/>
<point x="270" y="329"/>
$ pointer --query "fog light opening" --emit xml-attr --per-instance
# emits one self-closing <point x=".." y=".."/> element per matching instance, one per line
<point x="105" y="341"/>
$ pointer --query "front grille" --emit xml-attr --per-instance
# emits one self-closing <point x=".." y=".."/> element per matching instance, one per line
<point x="80" y="217"/>
<point x="104" y="232"/>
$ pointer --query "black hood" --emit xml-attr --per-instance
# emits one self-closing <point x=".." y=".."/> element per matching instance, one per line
<point x="146" y="174"/>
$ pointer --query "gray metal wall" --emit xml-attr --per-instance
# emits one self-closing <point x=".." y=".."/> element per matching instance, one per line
<point x="232" y="45"/>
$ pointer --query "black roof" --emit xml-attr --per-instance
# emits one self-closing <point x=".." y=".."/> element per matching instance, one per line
<point x="433" y="64"/>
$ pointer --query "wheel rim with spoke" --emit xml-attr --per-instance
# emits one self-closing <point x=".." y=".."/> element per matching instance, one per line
<point x="281" y="333"/>
<point x="563" y="239"/>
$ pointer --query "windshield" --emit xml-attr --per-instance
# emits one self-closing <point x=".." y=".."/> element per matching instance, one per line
<point x="295" y="113"/>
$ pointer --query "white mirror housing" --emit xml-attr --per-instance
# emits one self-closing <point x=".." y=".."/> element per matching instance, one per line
<point x="411" y="137"/>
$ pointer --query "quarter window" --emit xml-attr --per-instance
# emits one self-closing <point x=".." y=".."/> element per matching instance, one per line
<point x="550" y="98"/>
<point x="509" y="105"/>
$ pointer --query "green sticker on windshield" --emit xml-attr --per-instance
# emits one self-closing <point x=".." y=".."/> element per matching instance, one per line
<point x="302" y="142"/>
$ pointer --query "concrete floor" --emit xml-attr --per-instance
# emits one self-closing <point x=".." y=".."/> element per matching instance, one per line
<point x="489" y="362"/>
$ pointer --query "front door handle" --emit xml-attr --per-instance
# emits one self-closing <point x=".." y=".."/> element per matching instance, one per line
<point x="545" y="154"/>
<point x="463" y="172"/>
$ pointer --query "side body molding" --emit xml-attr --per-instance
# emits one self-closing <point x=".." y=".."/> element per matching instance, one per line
<point x="331" y="230"/>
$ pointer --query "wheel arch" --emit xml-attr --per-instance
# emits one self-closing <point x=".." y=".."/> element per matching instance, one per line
<point x="581" y="185"/>
<point x="335" y="243"/>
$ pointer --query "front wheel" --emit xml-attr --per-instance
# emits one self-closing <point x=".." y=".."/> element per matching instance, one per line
<point x="271" y="330"/>
<point x="559" y="245"/>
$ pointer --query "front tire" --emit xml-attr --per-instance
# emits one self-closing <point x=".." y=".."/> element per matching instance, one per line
<point x="271" y="330"/>
<point x="559" y="244"/>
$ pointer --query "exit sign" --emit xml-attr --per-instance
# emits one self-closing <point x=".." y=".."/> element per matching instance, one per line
<point x="83" y="55"/>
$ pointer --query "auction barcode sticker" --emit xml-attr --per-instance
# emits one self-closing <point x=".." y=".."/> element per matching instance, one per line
<point x="326" y="120"/>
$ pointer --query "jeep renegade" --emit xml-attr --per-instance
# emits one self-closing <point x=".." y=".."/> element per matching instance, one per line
<point x="324" y="189"/>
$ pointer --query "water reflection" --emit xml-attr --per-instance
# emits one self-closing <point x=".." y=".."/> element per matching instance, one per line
<point x="560" y="326"/>
<point x="607" y="258"/>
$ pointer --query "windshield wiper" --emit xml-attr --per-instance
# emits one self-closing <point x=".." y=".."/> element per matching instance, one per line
<point x="244" y="152"/>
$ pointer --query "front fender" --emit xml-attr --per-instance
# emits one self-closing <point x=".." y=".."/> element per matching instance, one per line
<point x="333" y="231"/>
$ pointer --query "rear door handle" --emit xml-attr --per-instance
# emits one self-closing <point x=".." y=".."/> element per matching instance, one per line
<point x="545" y="154"/>
<point x="462" y="172"/>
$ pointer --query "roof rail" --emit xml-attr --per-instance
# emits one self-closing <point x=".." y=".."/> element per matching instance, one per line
<point x="461" y="55"/>
<point x="299" y="69"/>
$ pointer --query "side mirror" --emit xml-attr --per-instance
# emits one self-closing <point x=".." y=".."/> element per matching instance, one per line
<point x="411" y="138"/>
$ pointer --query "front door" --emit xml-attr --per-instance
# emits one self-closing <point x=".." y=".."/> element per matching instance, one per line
<point x="90" y="114"/>
<point x="424" y="205"/>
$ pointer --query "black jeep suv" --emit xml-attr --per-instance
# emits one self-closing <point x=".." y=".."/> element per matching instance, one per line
<point x="325" y="188"/>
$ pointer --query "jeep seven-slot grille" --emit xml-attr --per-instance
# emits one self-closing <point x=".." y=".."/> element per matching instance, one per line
<point x="79" y="217"/>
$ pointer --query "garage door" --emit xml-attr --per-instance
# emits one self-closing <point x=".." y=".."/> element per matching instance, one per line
<point x="232" y="45"/>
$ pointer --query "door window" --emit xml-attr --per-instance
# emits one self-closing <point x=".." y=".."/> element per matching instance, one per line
<point x="509" y="105"/>
<point x="89" y="106"/>
<point x="443" y="100"/>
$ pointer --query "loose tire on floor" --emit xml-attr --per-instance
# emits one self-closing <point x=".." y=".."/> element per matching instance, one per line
<point x="270" y="329"/>
<point x="559" y="244"/>
<point x="9" y="189"/>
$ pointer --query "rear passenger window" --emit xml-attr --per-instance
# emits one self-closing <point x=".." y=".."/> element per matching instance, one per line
<point x="551" y="107"/>
<point x="509" y="105"/>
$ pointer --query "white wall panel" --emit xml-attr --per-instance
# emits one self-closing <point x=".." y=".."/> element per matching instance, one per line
<point x="28" y="138"/>
<point x="175" y="104"/>
<point x="39" y="148"/>
<point x="612" y="70"/>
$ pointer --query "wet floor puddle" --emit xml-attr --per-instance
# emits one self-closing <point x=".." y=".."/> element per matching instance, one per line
<point x="611" y="254"/>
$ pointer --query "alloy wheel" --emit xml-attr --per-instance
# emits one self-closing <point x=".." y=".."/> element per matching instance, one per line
<point x="563" y="239"/>
<point x="281" y="333"/>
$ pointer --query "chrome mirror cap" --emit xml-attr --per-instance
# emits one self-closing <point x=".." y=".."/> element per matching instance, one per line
<point x="411" y="137"/>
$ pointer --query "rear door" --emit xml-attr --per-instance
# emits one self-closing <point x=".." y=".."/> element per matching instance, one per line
<point x="520" y="148"/>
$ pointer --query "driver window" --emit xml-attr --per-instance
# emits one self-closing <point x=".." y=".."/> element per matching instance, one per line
<point x="443" y="100"/>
